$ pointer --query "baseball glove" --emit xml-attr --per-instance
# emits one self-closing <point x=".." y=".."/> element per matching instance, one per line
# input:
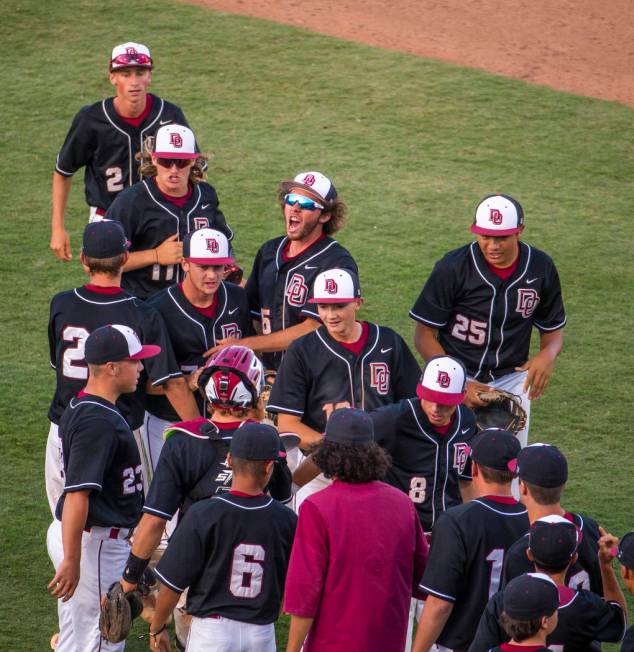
<point x="502" y="410"/>
<point x="234" y="274"/>
<point x="118" y="610"/>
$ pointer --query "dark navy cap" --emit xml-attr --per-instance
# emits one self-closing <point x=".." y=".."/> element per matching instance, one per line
<point x="256" y="441"/>
<point x="104" y="239"/>
<point x="495" y="448"/>
<point x="625" y="552"/>
<point x="542" y="465"/>
<point x="350" y="426"/>
<point x="530" y="596"/>
<point x="114" y="343"/>
<point x="553" y="540"/>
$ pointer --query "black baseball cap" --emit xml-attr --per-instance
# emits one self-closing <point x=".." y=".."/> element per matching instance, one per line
<point x="104" y="239"/>
<point x="350" y="426"/>
<point x="542" y="465"/>
<point x="495" y="448"/>
<point x="625" y="552"/>
<point x="530" y="596"/>
<point x="114" y="343"/>
<point x="553" y="540"/>
<point x="256" y="441"/>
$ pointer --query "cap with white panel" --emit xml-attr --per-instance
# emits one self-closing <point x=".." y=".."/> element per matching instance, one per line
<point x="336" y="286"/>
<point x="315" y="182"/>
<point x="498" y="215"/>
<point x="129" y="55"/>
<point x="207" y="247"/>
<point x="175" y="141"/>
<point x="116" y="342"/>
<point x="443" y="381"/>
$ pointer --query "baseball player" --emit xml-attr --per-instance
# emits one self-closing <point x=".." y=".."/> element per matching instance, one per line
<point x="171" y="200"/>
<point x="584" y="617"/>
<point x="105" y="138"/>
<point x="543" y="472"/>
<point x="197" y="312"/>
<point x="103" y="491"/>
<point x="74" y="314"/>
<point x="625" y="555"/>
<point x="468" y="546"/>
<point x="285" y="268"/>
<point x="344" y="363"/>
<point x="237" y="546"/>
<point x="192" y="464"/>
<point x="481" y="302"/>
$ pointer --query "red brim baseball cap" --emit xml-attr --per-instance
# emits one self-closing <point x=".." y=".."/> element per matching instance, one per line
<point x="207" y="247"/>
<point x="482" y="231"/>
<point x="147" y="351"/>
<point x="439" y="397"/>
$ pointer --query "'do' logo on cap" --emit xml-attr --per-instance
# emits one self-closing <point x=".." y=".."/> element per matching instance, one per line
<point x="131" y="51"/>
<point x="212" y="245"/>
<point x="176" y="139"/>
<point x="331" y="286"/>
<point x="309" y="179"/>
<point x="443" y="379"/>
<point x="495" y="216"/>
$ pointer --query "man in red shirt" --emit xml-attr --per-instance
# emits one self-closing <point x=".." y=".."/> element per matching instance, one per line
<point x="348" y="585"/>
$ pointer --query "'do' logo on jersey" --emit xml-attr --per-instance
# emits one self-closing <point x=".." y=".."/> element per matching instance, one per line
<point x="443" y="379"/>
<point x="175" y="139"/>
<point x="527" y="300"/>
<point x="212" y="245"/>
<point x="231" y="330"/>
<point x="380" y="377"/>
<point x="460" y="456"/>
<point x="296" y="291"/>
<point x="201" y="223"/>
<point x="309" y="179"/>
<point x="331" y="286"/>
<point x="495" y="216"/>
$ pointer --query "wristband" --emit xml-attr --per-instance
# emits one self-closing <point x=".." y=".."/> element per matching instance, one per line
<point x="134" y="569"/>
<point x="155" y="634"/>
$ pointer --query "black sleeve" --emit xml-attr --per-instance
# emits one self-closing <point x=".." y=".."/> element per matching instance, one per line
<point x="385" y="420"/>
<point x="187" y="542"/>
<point x="281" y="482"/>
<point x="436" y="300"/>
<point x="550" y="314"/>
<point x="445" y="571"/>
<point x="52" y="340"/>
<point x="470" y="422"/>
<point x="123" y="210"/>
<point x="628" y="641"/>
<point x="489" y="633"/>
<point x="253" y="288"/>
<point x="516" y="562"/>
<point x="290" y="390"/>
<point x="92" y="444"/>
<point x="163" y="366"/>
<point x="602" y="621"/>
<point x="407" y="371"/>
<point x="77" y="150"/>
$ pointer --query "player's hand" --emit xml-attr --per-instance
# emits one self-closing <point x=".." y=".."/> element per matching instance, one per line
<point x="471" y="398"/>
<point x="170" y="251"/>
<point x="126" y="586"/>
<point x="60" y="245"/>
<point x="540" y="368"/>
<point x="222" y="344"/>
<point x="65" y="582"/>
<point x="160" y="642"/>
<point x="608" y="545"/>
<point x="192" y="379"/>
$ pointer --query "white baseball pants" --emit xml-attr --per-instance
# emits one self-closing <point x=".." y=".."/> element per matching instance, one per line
<point x="223" y="635"/>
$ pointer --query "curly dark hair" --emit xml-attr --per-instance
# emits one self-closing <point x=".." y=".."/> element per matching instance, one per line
<point x="351" y="462"/>
<point x="336" y="208"/>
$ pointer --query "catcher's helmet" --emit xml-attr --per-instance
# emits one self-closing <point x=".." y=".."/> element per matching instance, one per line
<point x="232" y="378"/>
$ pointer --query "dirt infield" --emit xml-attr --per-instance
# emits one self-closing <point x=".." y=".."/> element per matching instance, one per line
<point x="581" y="46"/>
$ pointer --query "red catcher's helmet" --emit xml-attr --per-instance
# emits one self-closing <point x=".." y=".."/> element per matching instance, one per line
<point x="232" y="378"/>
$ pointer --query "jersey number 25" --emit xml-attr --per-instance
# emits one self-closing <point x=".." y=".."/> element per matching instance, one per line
<point x="469" y="330"/>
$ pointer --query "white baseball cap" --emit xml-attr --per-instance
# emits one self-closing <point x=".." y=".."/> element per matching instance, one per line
<point x="316" y="182"/>
<point x="443" y="381"/>
<point x="175" y="141"/>
<point x="207" y="247"/>
<point x="336" y="286"/>
<point x="498" y="215"/>
<point x="130" y="54"/>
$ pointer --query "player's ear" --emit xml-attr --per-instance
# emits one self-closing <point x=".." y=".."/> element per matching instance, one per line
<point x="185" y="265"/>
<point x="229" y="460"/>
<point x="475" y="471"/>
<point x="82" y="260"/>
<point x="324" y="217"/>
<point x="113" y="78"/>
<point x="573" y="560"/>
<point x="529" y="554"/>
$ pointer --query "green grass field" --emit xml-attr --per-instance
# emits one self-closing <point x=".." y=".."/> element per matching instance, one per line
<point x="412" y="146"/>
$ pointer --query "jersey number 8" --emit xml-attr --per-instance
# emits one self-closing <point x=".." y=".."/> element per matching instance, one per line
<point x="247" y="569"/>
<point x="417" y="489"/>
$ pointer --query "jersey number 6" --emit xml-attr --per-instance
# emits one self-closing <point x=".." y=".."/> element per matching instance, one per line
<point x="247" y="569"/>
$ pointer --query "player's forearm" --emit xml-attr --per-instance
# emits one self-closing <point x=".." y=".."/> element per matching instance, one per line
<point x="291" y="423"/>
<point x="73" y="523"/>
<point x="138" y="259"/>
<point x="611" y="590"/>
<point x="165" y="604"/>
<point x="147" y="535"/>
<point x="280" y="340"/>
<point x="435" y="615"/>
<point x="552" y="342"/>
<point x="182" y="399"/>
<point x="426" y="341"/>
<point x="305" y="472"/>
<point x="297" y="633"/>
<point x="60" y="193"/>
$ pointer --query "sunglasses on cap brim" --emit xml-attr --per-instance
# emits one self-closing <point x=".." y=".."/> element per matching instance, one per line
<point x="178" y="162"/>
<point x="130" y="59"/>
<point x="305" y="203"/>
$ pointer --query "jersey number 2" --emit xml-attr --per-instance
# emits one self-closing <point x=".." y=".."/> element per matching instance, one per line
<point x="73" y="364"/>
<point x="247" y="569"/>
<point x="113" y="179"/>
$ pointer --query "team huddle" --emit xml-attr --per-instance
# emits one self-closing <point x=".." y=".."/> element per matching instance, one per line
<point x="223" y="449"/>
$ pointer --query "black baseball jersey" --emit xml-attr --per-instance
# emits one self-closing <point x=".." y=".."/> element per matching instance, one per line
<point x="192" y="466"/>
<point x="106" y="145"/>
<point x="237" y="549"/>
<point x="426" y="465"/>
<point x="628" y="641"/>
<point x="584" y="574"/>
<point x="100" y="455"/>
<point x="318" y="372"/>
<point x="467" y="551"/>
<point x="508" y="647"/>
<point x="279" y="290"/>
<point x="584" y="619"/>
<point x="485" y="321"/>
<point x="191" y="333"/>
<point x="74" y="315"/>
<point x="148" y="219"/>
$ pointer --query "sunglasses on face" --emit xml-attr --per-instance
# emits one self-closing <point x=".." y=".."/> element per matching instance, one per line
<point x="125" y="59"/>
<point x="178" y="162"/>
<point x="304" y="202"/>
